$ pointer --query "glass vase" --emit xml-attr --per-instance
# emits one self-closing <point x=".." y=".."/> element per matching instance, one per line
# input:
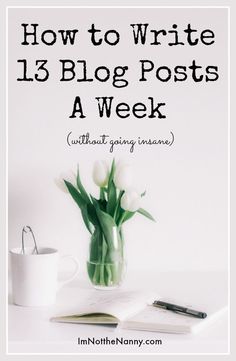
<point x="106" y="263"/>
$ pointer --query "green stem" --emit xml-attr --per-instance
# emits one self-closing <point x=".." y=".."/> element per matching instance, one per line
<point x="102" y="269"/>
<point x="102" y="194"/>
<point x="109" y="275"/>
<point x="96" y="275"/>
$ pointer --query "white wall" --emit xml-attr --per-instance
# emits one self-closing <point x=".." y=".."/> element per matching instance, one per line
<point x="186" y="184"/>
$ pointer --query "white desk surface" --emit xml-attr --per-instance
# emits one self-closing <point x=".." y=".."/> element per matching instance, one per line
<point x="30" y="331"/>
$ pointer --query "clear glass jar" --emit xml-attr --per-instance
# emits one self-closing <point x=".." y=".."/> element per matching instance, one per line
<point x="106" y="264"/>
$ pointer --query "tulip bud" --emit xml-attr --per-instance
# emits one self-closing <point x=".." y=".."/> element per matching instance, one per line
<point x="123" y="177"/>
<point x="100" y="173"/>
<point x="130" y="201"/>
<point x="68" y="176"/>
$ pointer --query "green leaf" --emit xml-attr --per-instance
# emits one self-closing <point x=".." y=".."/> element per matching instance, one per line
<point x="124" y="216"/>
<point x="127" y="216"/>
<point x="146" y="214"/>
<point x="111" y="191"/>
<point x="120" y="216"/>
<point x="80" y="202"/>
<point x="102" y="204"/>
<point x="107" y="224"/>
<point x="93" y="215"/>
<point x="112" y="172"/>
<point x="81" y="188"/>
<point x="75" y="194"/>
<point x="118" y="209"/>
<point x="84" y="212"/>
<point x="111" y="199"/>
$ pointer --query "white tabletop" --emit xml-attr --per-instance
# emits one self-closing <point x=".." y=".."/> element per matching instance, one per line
<point x="30" y="330"/>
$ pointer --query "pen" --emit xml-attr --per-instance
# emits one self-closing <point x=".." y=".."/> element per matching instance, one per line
<point x="176" y="308"/>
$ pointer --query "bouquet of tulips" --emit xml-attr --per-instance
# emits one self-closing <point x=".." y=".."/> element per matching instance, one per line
<point x="104" y="218"/>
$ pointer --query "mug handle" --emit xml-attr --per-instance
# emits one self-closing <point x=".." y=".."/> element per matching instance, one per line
<point x="74" y="274"/>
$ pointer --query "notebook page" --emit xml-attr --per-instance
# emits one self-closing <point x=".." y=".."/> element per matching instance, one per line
<point x="158" y="319"/>
<point x="121" y="304"/>
<point x="152" y="318"/>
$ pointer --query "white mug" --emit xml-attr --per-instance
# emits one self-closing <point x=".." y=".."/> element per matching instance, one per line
<point x="34" y="276"/>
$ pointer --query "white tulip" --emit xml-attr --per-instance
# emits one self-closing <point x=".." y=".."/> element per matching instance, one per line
<point x="68" y="176"/>
<point x="123" y="176"/>
<point x="130" y="201"/>
<point x="100" y="173"/>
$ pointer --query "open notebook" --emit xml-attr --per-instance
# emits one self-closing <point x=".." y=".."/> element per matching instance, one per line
<point x="134" y="310"/>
